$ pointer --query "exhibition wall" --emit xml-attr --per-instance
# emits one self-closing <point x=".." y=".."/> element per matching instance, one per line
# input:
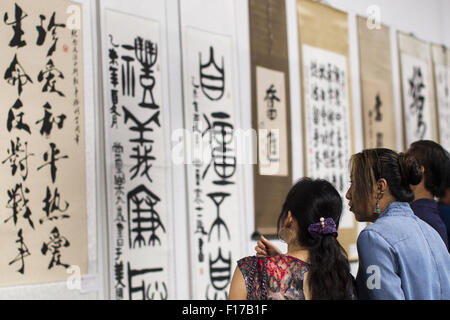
<point x="139" y="215"/>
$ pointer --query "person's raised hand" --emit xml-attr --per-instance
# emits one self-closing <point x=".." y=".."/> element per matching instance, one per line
<point x="266" y="248"/>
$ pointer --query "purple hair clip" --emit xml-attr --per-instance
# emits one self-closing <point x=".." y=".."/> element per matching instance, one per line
<point x="324" y="227"/>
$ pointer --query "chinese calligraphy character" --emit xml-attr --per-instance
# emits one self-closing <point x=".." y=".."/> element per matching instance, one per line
<point x="212" y="77"/>
<point x="50" y="159"/>
<point x="18" y="203"/>
<point x="271" y="98"/>
<point x="14" y="158"/>
<point x="16" y="74"/>
<point x="23" y="253"/>
<point x="143" y="217"/>
<point x="52" y="204"/>
<point x="53" y="246"/>
<point x="16" y="41"/>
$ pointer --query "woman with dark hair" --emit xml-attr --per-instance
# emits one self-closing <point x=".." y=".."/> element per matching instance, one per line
<point x="400" y="255"/>
<point x="433" y="162"/>
<point x="315" y="266"/>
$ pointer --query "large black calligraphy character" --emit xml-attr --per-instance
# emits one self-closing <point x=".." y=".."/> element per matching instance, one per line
<point x="145" y="146"/>
<point x="219" y="274"/>
<point x="23" y="253"/>
<point x="158" y="293"/>
<point x="15" y="118"/>
<point x="18" y="203"/>
<point x="17" y="40"/>
<point x="50" y="158"/>
<point x="378" y="104"/>
<point x="143" y="156"/>
<point x="52" y="203"/>
<point x="416" y="85"/>
<point x="15" y="159"/>
<point x="143" y="217"/>
<point x="146" y="53"/>
<point x="218" y="198"/>
<point x="140" y="127"/>
<point x="15" y="74"/>
<point x="48" y="120"/>
<point x="42" y="33"/>
<point x="53" y="246"/>
<point x="222" y="157"/>
<point x="50" y="74"/>
<point x="270" y="98"/>
<point x="212" y="77"/>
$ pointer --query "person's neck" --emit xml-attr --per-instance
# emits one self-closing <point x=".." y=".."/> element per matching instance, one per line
<point x="422" y="194"/>
<point x="297" y="251"/>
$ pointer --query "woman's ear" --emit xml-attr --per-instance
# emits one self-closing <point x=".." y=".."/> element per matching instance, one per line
<point x="289" y="218"/>
<point x="382" y="186"/>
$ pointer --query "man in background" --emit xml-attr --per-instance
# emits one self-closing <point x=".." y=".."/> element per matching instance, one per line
<point x="444" y="202"/>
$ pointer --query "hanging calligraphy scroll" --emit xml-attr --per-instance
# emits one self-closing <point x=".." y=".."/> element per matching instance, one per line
<point x="270" y="110"/>
<point x="43" y="188"/>
<point x="137" y="181"/>
<point x="214" y="185"/>
<point x="441" y="63"/>
<point x="377" y="94"/>
<point x="327" y="106"/>
<point x="417" y="89"/>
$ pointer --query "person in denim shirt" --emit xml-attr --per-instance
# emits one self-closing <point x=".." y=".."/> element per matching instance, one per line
<point x="400" y="255"/>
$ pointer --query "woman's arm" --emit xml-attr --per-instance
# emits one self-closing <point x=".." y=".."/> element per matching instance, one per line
<point x="238" y="290"/>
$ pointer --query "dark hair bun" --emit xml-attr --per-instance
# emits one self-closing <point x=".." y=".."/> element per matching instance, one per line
<point x="409" y="169"/>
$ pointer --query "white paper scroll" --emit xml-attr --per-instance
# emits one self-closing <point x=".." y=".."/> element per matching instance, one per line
<point x="416" y="98"/>
<point x="443" y="88"/>
<point x="418" y="94"/>
<point x="271" y="105"/>
<point x="135" y="157"/>
<point x="327" y="121"/>
<point x="43" y="229"/>
<point x="213" y="184"/>
<point x="441" y="59"/>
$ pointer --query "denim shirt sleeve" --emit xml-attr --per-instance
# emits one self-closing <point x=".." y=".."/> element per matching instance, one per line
<point x="377" y="277"/>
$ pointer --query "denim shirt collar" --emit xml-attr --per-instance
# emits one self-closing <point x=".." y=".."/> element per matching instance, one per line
<point x="397" y="209"/>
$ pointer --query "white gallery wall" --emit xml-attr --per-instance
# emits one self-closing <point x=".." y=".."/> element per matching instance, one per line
<point x="426" y="19"/>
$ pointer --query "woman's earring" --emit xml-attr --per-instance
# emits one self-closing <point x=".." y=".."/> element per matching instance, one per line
<point x="377" y="208"/>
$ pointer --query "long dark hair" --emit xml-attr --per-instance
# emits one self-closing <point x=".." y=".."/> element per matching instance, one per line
<point x="308" y="201"/>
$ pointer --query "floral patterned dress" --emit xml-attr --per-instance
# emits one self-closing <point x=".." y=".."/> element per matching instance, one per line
<point x="277" y="277"/>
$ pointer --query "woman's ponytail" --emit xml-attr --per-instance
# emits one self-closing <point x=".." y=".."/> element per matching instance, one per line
<point x="329" y="274"/>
